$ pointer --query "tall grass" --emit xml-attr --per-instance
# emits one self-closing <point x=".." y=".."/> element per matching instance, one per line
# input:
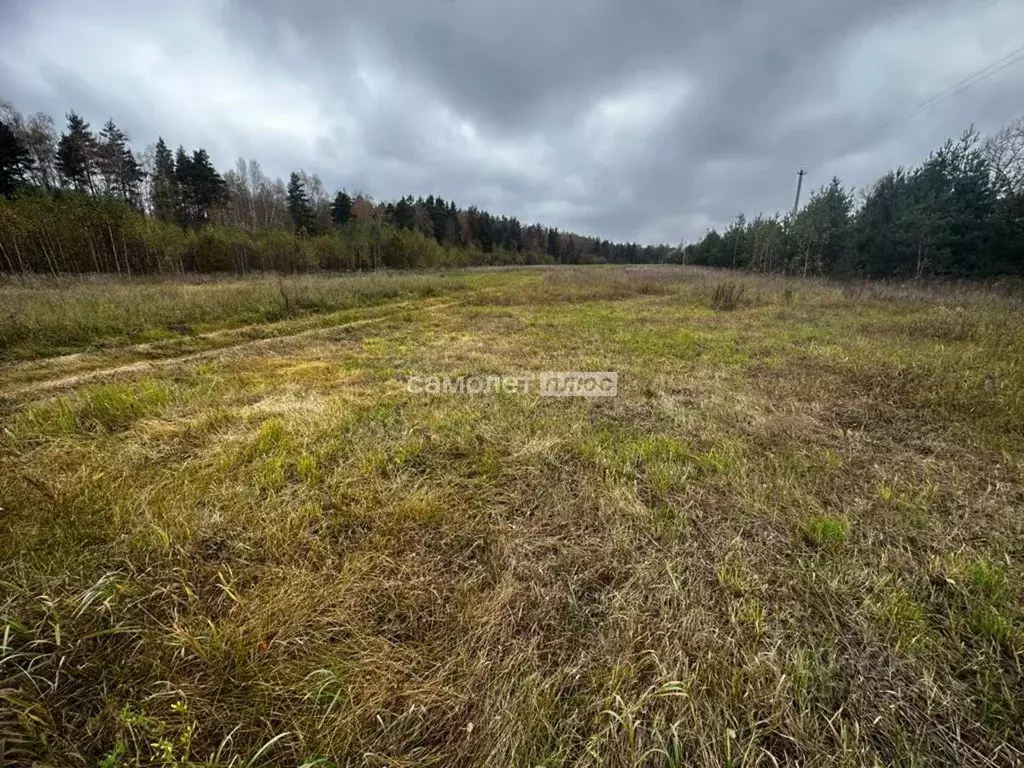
<point x="726" y="296"/>
<point x="46" y="314"/>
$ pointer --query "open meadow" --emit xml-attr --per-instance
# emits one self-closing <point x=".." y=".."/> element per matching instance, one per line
<point x="231" y="536"/>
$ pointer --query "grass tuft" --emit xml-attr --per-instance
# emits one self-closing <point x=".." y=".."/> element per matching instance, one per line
<point x="726" y="296"/>
<point x="826" y="532"/>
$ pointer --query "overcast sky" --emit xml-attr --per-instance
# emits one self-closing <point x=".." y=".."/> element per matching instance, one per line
<point x="646" y="120"/>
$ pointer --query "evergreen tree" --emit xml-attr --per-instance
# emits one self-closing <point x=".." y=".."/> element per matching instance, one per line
<point x="76" y="154"/>
<point x="451" y="225"/>
<point x="15" y="161"/>
<point x="552" y="245"/>
<point x="821" y="230"/>
<point x="209" y="189"/>
<point x="117" y="166"/>
<point x="404" y="215"/>
<point x="200" y="187"/>
<point x="438" y="210"/>
<point x="514" y="241"/>
<point x="970" y="208"/>
<point x="878" y="243"/>
<point x="1008" y="253"/>
<point x="298" y="204"/>
<point x="735" y="241"/>
<point x="186" y="208"/>
<point x="166" y="195"/>
<point x="341" y="209"/>
<point x="482" y="228"/>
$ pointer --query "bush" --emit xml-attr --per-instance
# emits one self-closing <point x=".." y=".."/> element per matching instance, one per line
<point x="282" y="251"/>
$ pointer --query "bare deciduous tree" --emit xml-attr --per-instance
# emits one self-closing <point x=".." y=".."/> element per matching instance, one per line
<point x="1005" y="154"/>
<point x="38" y="135"/>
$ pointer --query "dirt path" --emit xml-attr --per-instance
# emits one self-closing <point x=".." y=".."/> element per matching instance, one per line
<point x="74" y="380"/>
<point x="41" y="365"/>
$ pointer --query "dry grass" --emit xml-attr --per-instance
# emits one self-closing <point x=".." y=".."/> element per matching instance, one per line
<point x="726" y="296"/>
<point x="792" y="538"/>
<point x="43" y="316"/>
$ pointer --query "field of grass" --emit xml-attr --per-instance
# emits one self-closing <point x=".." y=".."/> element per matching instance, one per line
<point x="794" y="537"/>
<point x="45" y="317"/>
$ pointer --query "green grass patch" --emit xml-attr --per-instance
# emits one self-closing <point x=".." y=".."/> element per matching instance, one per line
<point x="102" y="408"/>
<point x="826" y="532"/>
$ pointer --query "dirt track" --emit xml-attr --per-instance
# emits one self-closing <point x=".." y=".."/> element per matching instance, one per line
<point x="67" y="382"/>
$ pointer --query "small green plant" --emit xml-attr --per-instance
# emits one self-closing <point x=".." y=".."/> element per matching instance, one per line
<point x="826" y="532"/>
<point x="113" y="758"/>
<point x="726" y="296"/>
<point x="986" y="621"/>
<point x="152" y="740"/>
<point x="988" y="579"/>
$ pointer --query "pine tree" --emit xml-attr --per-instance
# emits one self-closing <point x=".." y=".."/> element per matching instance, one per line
<point x="117" y="165"/>
<point x="971" y="208"/>
<point x="552" y="246"/>
<point x="451" y="225"/>
<point x="201" y="187"/>
<point x="76" y="154"/>
<point x="341" y="209"/>
<point x="877" y="241"/>
<point x="15" y="161"/>
<point x="438" y="210"/>
<point x="404" y="216"/>
<point x="209" y="189"/>
<point x="1008" y="254"/>
<point x="298" y="204"/>
<point x="821" y="230"/>
<point x="166" y="195"/>
<point x="186" y="208"/>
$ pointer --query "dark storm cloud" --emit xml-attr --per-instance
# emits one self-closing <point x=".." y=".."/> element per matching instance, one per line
<point x="632" y="120"/>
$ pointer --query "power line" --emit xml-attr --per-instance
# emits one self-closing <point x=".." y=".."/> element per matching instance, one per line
<point x="983" y="73"/>
<point x="973" y="79"/>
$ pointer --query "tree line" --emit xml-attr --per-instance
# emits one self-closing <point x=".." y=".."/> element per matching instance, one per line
<point x="84" y="201"/>
<point x="81" y="201"/>
<point x="958" y="214"/>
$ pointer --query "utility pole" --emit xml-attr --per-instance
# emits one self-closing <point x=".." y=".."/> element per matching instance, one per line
<point x="799" y="185"/>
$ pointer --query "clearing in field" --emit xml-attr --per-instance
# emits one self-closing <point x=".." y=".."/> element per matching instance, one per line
<point x="231" y="535"/>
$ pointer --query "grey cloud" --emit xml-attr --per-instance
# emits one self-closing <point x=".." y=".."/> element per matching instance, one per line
<point x="646" y="121"/>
